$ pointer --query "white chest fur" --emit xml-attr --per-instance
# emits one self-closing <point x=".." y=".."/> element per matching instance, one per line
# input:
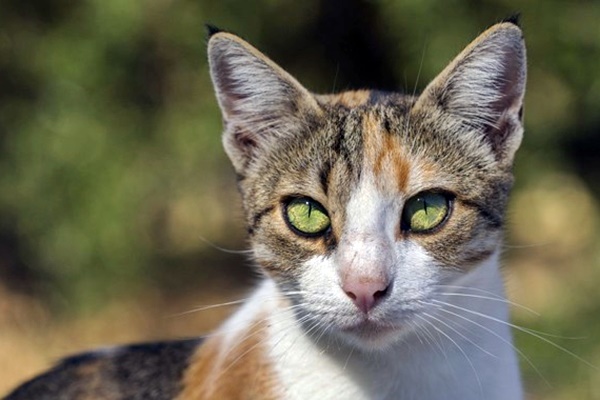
<point x="461" y="356"/>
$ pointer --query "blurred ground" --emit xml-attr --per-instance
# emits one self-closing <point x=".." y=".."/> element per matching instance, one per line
<point x="113" y="183"/>
<point x="32" y="339"/>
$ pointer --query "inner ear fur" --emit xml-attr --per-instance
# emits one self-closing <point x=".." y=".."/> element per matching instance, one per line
<point x="482" y="89"/>
<point x="260" y="102"/>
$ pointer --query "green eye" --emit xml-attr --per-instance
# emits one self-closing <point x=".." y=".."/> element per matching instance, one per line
<point x="425" y="211"/>
<point x="307" y="216"/>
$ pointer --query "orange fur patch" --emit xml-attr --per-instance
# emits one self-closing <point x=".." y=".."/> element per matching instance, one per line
<point x="242" y="371"/>
<point x="348" y="99"/>
<point x="384" y="152"/>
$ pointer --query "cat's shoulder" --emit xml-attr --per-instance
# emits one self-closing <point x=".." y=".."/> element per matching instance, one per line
<point x="139" y="371"/>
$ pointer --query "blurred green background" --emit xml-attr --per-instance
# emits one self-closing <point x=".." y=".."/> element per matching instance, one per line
<point x="115" y="194"/>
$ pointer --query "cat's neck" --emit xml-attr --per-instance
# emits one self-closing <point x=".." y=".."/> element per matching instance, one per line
<point x="465" y="351"/>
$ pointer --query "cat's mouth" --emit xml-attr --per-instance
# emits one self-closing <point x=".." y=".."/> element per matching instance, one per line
<point x="371" y="330"/>
<point x="371" y="335"/>
<point x="377" y="332"/>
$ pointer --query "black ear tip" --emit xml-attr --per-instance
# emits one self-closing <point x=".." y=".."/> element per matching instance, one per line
<point x="514" y="19"/>
<point x="211" y="30"/>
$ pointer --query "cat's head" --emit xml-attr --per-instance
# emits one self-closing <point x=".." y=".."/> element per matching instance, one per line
<point x="363" y="203"/>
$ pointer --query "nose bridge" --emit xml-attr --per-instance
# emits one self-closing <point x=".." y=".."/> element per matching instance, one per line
<point x="365" y="247"/>
<point x="366" y="255"/>
<point x="364" y="269"/>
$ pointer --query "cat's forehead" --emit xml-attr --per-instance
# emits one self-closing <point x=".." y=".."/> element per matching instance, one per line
<point x="366" y="98"/>
<point x="376" y="127"/>
<point x="406" y="150"/>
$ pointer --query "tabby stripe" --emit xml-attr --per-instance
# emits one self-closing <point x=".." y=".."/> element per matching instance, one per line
<point x="494" y="219"/>
<point x="330" y="242"/>
<point x="257" y="217"/>
<point x="474" y="258"/>
<point x="324" y="177"/>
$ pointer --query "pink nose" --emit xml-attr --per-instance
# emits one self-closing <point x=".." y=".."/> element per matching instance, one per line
<point x="365" y="293"/>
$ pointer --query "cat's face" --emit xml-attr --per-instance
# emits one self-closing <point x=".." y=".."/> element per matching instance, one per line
<point x="360" y="205"/>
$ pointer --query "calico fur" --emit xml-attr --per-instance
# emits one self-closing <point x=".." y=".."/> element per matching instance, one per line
<point x="433" y="327"/>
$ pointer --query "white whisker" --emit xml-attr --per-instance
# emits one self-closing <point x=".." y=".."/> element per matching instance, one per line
<point x="456" y="345"/>
<point x="222" y="249"/>
<point x="485" y="328"/>
<point x="463" y="336"/>
<point x="471" y="288"/>
<point x="232" y="303"/>
<point x="520" y="328"/>
<point x="348" y="358"/>
<point x="437" y="343"/>
<point x="500" y="299"/>
<point x="208" y="307"/>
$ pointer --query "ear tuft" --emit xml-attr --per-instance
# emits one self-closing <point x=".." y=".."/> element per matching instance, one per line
<point x="211" y="30"/>
<point x="514" y="19"/>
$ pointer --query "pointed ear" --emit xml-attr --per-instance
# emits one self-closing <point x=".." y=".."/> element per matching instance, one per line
<point x="260" y="102"/>
<point x="482" y="89"/>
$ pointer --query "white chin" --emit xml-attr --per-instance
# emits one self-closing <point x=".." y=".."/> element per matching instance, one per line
<point x="372" y="338"/>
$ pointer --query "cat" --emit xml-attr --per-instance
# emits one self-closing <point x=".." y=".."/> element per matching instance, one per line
<point x="376" y="219"/>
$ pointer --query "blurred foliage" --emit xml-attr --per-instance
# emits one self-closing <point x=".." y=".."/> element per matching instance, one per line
<point x="112" y="178"/>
